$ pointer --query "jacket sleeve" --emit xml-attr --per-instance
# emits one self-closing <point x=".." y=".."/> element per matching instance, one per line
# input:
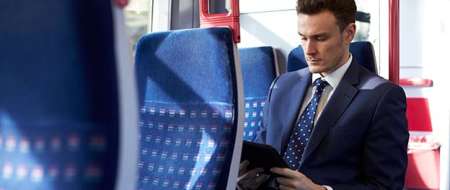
<point x="385" y="158"/>
<point x="261" y="137"/>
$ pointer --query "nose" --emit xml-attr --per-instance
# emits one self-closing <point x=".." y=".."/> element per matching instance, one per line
<point x="309" y="47"/>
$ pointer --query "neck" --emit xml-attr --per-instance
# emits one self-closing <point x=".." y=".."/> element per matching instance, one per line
<point x="344" y="60"/>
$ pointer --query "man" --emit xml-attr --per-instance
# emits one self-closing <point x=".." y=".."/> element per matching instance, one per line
<point x="337" y="125"/>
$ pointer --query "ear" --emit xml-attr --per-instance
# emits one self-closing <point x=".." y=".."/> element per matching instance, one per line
<point x="349" y="33"/>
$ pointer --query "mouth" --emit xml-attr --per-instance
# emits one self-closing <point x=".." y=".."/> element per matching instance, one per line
<point x="313" y="60"/>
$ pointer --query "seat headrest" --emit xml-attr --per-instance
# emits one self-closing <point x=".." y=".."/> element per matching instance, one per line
<point x="186" y="65"/>
<point x="258" y="70"/>
<point x="296" y="59"/>
<point x="364" y="54"/>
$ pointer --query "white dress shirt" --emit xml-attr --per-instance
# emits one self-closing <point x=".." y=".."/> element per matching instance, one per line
<point x="333" y="80"/>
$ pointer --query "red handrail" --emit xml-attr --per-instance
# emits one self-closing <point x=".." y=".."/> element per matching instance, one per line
<point x="230" y="19"/>
<point x="394" y="46"/>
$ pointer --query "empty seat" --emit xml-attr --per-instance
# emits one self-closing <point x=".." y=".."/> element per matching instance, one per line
<point x="189" y="96"/>
<point x="259" y="68"/>
<point x="59" y="100"/>
<point x="362" y="51"/>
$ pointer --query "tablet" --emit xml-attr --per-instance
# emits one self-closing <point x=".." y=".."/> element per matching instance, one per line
<point x="262" y="156"/>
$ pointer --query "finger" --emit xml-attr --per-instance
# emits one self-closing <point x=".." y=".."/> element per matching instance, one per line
<point x="287" y="172"/>
<point x="243" y="167"/>
<point x="285" y="181"/>
<point x="255" y="172"/>
<point x="261" y="179"/>
<point x="283" y="187"/>
<point x="251" y="180"/>
<point x="251" y="174"/>
<point x="256" y="182"/>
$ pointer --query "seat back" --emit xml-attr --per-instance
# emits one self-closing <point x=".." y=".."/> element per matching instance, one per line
<point x="296" y="59"/>
<point x="362" y="51"/>
<point x="259" y="69"/>
<point x="59" y="103"/>
<point x="189" y="97"/>
<point x="364" y="54"/>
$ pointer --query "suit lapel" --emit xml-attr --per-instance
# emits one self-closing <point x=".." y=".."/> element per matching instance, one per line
<point x="293" y="103"/>
<point x="338" y="103"/>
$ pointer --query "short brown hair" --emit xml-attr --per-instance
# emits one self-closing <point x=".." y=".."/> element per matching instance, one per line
<point x="343" y="10"/>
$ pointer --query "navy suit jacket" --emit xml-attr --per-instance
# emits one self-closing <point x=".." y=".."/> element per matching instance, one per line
<point x="359" y="141"/>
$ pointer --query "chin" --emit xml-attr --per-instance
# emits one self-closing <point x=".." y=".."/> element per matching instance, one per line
<point x="314" y="69"/>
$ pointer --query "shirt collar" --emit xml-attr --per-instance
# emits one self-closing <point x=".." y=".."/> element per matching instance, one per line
<point x="334" y="77"/>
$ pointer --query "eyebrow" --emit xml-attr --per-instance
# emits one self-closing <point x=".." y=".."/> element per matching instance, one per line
<point x="319" y="34"/>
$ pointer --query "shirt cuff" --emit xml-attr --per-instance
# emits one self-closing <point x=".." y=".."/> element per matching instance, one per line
<point x="327" y="187"/>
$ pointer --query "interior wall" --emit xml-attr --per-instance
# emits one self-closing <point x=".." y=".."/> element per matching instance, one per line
<point x="270" y="23"/>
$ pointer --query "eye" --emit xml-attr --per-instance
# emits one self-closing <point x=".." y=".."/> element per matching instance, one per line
<point x="321" y="38"/>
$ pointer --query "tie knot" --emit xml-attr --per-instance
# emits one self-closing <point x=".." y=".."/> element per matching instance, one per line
<point x="320" y="84"/>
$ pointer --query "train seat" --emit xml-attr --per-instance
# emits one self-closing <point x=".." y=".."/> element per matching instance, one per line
<point x="296" y="59"/>
<point x="259" y="69"/>
<point x="362" y="51"/>
<point x="190" y="119"/>
<point x="60" y="118"/>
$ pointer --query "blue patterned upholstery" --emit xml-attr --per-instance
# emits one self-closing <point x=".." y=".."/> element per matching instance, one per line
<point x="365" y="55"/>
<point x="362" y="51"/>
<point x="258" y="70"/>
<point x="59" y="121"/>
<point x="296" y="59"/>
<point x="188" y="102"/>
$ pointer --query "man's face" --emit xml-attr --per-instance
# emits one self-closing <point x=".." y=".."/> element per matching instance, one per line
<point x="324" y="44"/>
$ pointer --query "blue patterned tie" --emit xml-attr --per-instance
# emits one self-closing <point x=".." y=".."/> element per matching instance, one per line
<point x="302" y="132"/>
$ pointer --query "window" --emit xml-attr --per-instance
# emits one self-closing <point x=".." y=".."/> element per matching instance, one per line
<point x="137" y="18"/>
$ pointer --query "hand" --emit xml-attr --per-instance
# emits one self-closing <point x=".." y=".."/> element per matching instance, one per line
<point x="250" y="180"/>
<point x="294" y="180"/>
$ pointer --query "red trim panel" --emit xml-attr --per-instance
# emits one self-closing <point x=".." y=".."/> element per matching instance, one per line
<point x="230" y="19"/>
<point x="418" y="114"/>
<point x="416" y="82"/>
